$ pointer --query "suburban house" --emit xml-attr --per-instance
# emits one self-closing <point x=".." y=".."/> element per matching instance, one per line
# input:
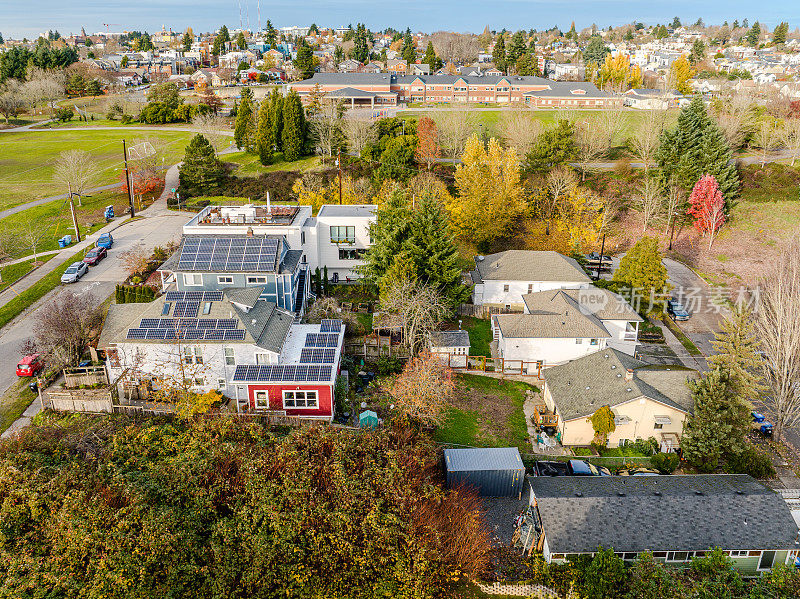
<point x="336" y="238"/>
<point x="647" y="401"/>
<point x="397" y="87"/>
<point x="502" y="279"/>
<point x="245" y="347"/>
<point x="676" y="518"/>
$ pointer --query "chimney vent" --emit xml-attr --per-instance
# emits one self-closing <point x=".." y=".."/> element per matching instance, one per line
<point x="249" y="231"/>
<point x="629" y="374"/>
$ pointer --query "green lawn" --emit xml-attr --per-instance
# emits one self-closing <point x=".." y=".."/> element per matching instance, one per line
<point x="480" y="335"/>
<point x="685" y="341"/>
<point x="27" y="158"/>
<point x="487" y="412"/>
<point x="489" y="119"/>
<point x="14" y="402"/>
<point x="250" y="165"/>
<point x="13" y="272"/>
<point x="55" y="217"/>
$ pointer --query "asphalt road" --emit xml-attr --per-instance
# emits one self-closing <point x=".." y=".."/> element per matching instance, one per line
<point x="156" y="227"/>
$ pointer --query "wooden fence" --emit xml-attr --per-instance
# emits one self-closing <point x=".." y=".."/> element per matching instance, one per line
<point x="85" y="375"/>
<point x="484" y="312"/>
<point x="78" y="400"/>
<point x="491" y="365"/>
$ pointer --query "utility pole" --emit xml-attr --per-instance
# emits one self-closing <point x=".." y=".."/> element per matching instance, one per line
<point x="339" y="164"/>
<point x="74" y="218"/>
<point x="128" y="179"/>
<point x="600" y="265"/>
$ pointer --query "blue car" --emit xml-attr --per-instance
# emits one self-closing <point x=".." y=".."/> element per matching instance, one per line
<point x="676" y="310"/>
<point x="106" y="240"/>
<point x="757" y="417"/>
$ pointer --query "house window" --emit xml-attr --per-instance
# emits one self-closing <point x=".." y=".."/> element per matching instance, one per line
<point x="343" y="234"/>
<point x="225" y="280"/>
<point x="192" y="354"/>
<point x="303" y="237"/>
<point x="739" y="553"/>
<point x="677" y="556"/>
<point x="230" y="359"/>
<point x="658" y="426"/>
<point x="192" y="279"/>
<point x="351" y="254"/>
<point x="578" y="341"/>
<point x="505" y="288"/>
<point x="262" y="358"/>
<point x="261" y="400"/>
<point x="530" y="287"/>
<point x="220" y="383"/>
<point x="256" y="280"/>
<point x="592" y="341"/>
<point x="767" y="560"/>
<point x="299" y="399"/>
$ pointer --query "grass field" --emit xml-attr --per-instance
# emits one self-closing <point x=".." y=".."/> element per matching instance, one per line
<point x="488" y="121"/>
<point x="13" y="272"/>
<point x="249" y="164"/>
<point x="52" y="220"/>
<point x="14" y="402"/>
<point x="487" y="412"/>
<point x="26" y="162"/>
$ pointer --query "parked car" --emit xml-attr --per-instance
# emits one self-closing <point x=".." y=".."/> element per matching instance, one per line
<point x="106" y="240"/>
<point x="94" y="255"/>
<point x="676" y="310"/>
<point x="30" y="365"/>
<point x="570" y="468"/>
<point x="638" y="472"/>
<point x="757" y="417"/>
<point x="74" y="272"/>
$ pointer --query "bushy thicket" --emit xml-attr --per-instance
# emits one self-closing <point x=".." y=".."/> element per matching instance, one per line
<point x="107" y="507"/>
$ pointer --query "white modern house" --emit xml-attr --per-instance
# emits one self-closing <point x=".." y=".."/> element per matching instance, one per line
<point x="561" y="325"/>
<point x="502" y="279"/>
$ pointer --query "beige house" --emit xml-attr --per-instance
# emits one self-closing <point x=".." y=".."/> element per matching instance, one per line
<point x="647" y="401"/>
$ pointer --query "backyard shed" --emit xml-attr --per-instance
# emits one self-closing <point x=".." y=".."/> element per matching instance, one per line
<point x="491" y="471"/>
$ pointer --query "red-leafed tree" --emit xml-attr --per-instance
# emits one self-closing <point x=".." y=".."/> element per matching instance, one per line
<point x="428" y="150"/>
<point x="707" y="206"/>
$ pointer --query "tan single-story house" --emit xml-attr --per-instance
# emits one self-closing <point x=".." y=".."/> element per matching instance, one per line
<point x="647" y="401"/>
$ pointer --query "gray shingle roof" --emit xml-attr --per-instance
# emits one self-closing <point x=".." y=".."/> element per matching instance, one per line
<point x="528" y="265"/>
<point x="267" y="324"/>
<point x="450" y="339"/>
<point x="691" y="513"/>
<point x="553" y="315"/>
<point x="246" y="297"/>
<point x="604" y="304"/>
<point x="580" y="387"/>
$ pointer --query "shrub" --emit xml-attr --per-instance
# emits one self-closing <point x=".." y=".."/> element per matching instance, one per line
<point x="64" y="114"/>
<point x="750" y="461"/>
<point x="389" y="365"/>
<point x="665" y="463"/>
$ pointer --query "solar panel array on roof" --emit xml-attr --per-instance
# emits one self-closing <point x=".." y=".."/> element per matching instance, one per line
<point x="189" y="323"/>
<point x="197" y="334"/>
<point x="193" y="296"/>
<point x="321" y="340"/>
<point x="330" y="326"/>
<point x="229" y="254"/>
<point x="266" y="373"/>
<point x="186" y="309"/>
<point x="317" y="355"/>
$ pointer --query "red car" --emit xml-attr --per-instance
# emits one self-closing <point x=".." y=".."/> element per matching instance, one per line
<point x="94" y="255"/>
<point x="30" y="365"/>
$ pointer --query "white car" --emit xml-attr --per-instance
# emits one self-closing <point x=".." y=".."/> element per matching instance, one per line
<point x="75" y="271"/>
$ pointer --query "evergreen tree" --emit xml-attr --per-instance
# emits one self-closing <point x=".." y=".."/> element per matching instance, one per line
<point x="738" y="353"/>
<point x="293" y="127"/>
<point x="718" y="424"/>
<point x="241" y="42"/>
<point x="696" y="147"/>
<point x="779" y="36"/>
<point x="225" y="36"/>
<point x="676" y="22"/>
<point x="271" y="34"/>
<point x="265" y="142"/>
<point x="276" y="116"/>
<point x="430" y="58"/>
<point x="243" y="130"/>
<point x="746" y="24"/>
<point x="305" y="61"/>
<point x="554" y="147"/>
<point x="605" y="577"/>
<point x="754" y="34"/>
<point x="642" y="269"/>
<point x="516" y="48"/>
<point x="360" y="45"/>
<point x="187" y="42"/>
<point x="499" y="54"/>
<point x="409" y="51"/>
<point x="201" y="172"/>
<point x="595" y="51"/>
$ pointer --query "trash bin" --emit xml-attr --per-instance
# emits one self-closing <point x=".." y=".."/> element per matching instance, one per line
<point x="67" y="240"/>
<point x="109" y="213"/>
<point x="61" y="243"/>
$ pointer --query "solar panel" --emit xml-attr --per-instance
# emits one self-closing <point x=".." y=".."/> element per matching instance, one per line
<point x="328" y="356"/>
<point x="233" y="335"/>
<point x="221" y="254"/>
<point x="288" y="372"/>
<point x="330" y="326"/>
<point x="186" y="309"/>
<point x="207" y="323"/>
<point x="212" y="296"/>
<point x="317" y="355"/>
<point x="301" y="373"/>
<point x="193" y="333"/>
<point x="174" y="296"/>
<point x="149" y="323"/>
<point x="264" y="373"/>
<point x="227" y="323"/>
<point x="322" y="340"/>
<point x="136" y="334"/>
<point x="325" y="373"/>
<point x="214" y="335"/>
<point x="156" y="333"/>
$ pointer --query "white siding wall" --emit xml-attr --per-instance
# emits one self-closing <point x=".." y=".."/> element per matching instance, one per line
<point x="617" y="330"/>
<point x="549" y="350"/>
<point x="493" y="292"/>
<point x="321" y="252"/>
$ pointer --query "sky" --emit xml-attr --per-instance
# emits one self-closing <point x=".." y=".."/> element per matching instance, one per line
<point x="29" y="18"/>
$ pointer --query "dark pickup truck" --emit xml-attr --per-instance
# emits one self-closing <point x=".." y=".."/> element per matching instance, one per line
<point x="570" y="468"/>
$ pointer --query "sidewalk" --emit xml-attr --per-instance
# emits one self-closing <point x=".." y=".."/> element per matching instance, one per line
<point x="688" y="360"/>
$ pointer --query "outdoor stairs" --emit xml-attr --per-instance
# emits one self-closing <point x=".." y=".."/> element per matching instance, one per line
<point x="300" y="297"/>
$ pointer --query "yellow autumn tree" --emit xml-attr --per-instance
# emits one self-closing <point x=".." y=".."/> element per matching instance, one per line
<point x="618" y="75"/>
<point x="581" y="217"/>
<point x="311" y="190"/>
<point x="679" y="74"/>
<point x="489" y="193"/>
